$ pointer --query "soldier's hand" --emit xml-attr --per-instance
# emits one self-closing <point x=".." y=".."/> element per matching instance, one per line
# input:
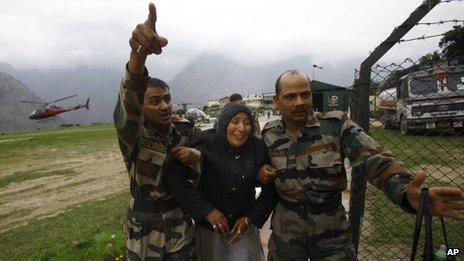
<point x="444" y="201"/>
<point x="266" y="174"/>
<point x="186" y="155"/>
<point x="218" y="221"/>
<point x="145" y="40"/>
<point x="240" y="226"/>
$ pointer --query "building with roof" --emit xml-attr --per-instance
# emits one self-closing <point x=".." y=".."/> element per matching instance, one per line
<point x="330" y="97"/>
<point x="254" y="101"/>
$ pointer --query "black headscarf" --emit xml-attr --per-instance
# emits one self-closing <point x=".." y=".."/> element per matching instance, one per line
<point x="228" y="112"/>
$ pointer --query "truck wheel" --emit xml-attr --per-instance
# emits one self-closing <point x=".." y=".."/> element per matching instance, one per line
<point x="404" y="127"/>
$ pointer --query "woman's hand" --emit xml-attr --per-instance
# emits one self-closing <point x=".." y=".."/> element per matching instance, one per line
<point x="186" y="155"/>
<point x="218" y="221"/>
<point x="240" y="226"/>
<point x="266" y="174"/>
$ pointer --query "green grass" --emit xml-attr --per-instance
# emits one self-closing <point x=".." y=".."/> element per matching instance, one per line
<point x="395" y="227"/>
<point x="25" y="147"/>
<point x="82" y="232"/>
<point x="389" y="224"/>
<point x="422" y="149"/>
<point x="34" y="174"/>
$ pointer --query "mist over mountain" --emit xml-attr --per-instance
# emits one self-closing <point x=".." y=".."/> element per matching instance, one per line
<point x="100" y="84"/>
<point x="13" y="113"/>
<point x="213" y="77"/>
<point x="206" y="77"/>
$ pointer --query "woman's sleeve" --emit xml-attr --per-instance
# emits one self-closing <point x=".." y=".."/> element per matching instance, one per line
<point x="267" y="200"/>
<point x="186" y="195"/>
<point x="263" y="205"/>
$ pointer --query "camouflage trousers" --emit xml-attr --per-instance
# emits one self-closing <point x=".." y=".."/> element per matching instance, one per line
<point x="166" y="235"/>
<point x="299" y="235"/>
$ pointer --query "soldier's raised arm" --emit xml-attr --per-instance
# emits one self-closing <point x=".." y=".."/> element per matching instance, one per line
<point x="127" y="114"/>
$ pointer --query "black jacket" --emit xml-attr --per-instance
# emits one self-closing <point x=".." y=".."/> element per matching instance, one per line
<point x="227" y="180"/>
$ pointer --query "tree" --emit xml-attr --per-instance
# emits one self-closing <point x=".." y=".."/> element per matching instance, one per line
<point x="452" y="43"/>
<point x="430" y="58"/>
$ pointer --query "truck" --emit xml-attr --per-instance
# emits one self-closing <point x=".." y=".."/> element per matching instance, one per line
<point x="425" y="98"/>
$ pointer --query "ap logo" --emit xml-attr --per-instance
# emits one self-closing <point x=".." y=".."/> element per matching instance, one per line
<point x="452" y="251"/>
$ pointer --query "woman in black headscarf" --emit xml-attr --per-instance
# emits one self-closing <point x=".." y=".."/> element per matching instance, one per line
<point x="224" y="203"/>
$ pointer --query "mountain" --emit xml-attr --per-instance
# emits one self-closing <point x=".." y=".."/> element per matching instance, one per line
<point x="14" y="114"/>
<point x="213" y="77"/>
<point x="206" y="77"/>
<point x="100" y="84"/>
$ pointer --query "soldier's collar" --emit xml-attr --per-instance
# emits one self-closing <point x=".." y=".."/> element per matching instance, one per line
<point x="312" y="120"/>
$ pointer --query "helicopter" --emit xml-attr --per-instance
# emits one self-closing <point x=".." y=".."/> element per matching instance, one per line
<point x="48" y="111"/>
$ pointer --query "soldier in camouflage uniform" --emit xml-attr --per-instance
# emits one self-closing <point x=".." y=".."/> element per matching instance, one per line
<point x="307" y="153"/>
<point x="156" y="227"/>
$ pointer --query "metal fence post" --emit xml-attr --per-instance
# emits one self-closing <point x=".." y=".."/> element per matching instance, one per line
<point x="360" y="108"/>
<point x="360" y="114"/>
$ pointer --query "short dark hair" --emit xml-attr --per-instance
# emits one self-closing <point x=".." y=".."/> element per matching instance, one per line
<point x="235" y="97"/>
<point x="278" y="87"/>
<point x="155" y="82"/>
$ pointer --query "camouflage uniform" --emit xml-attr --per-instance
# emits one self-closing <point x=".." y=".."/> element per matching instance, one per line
<point x="156" y="227"/>
<point x="309" y="221"/>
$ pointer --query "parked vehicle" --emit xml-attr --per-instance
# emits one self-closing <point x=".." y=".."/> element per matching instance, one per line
<point x="425" y="99"/>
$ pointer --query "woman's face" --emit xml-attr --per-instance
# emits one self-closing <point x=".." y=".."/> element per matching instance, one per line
<point x="238" y="129"/>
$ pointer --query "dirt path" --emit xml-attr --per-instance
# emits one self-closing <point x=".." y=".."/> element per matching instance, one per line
<point x="96" y="175"/>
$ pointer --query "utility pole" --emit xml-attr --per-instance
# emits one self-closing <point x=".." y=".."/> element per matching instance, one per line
<point x="360" y="108"/>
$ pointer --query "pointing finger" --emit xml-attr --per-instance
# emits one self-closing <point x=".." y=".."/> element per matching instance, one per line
<point x="151" y="20"/>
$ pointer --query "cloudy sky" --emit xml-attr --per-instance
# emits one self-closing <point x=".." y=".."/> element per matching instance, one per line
<point x="64" y="34"/>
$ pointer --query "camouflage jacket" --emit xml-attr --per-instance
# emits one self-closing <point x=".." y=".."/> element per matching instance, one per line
<point x="311" y="170"/>
<point x="144" y="150"/>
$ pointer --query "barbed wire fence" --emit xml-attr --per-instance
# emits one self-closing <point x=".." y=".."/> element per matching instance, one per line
<point x="416" y="111"/>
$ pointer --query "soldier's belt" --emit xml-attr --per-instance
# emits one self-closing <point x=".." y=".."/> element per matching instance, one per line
<point x="330" y="205"/>
<point x="158" y="206"/>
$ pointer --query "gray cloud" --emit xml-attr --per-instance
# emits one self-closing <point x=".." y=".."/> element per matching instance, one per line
<point x="61" y="34"/>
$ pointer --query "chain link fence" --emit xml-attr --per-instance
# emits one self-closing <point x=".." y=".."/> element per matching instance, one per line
<point x="417" y="112"/>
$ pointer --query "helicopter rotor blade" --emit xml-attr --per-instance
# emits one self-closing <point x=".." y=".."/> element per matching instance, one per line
<point x="33" y="102"/>
<point x="61" y="99"/>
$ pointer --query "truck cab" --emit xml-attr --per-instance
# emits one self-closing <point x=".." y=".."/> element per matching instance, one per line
<point x="430" y="98"/>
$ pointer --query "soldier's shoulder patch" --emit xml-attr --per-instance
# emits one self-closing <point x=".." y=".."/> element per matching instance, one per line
<point x="340" y="115"/>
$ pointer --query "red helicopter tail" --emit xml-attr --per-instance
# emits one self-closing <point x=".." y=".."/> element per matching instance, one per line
<point x="87" y="103"/>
